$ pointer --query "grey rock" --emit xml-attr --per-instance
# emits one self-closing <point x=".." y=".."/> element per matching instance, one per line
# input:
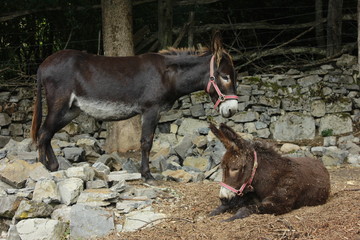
<point x="97" y="184"/>
<point x="4" y="119"/>
<point x="119" y="186"/>
<point x="170" y="116"/>
<point x="47" y="191"/>
<point x="329" y="141"/>
<point x="343" y="105"/>
<point x="39" y="172"/>
<point x="30" y="157"/>
<point x="63" y="163"/>
<point x="74" y="154"/>
<point x="89" y="222"/>
<point x="101" y="170"/>
<point x="150" y="193"/>
<point x="293" y="126"/>
<point x="131" y="166"/>
<point x="8" y="205"/>
<point x="70" y="189"/>
<point x="139" y="219"/>
<point x="117" y="176"/>
<point x="61" y="213"/>
<point x="33" y="209"/>
<point x="178" y="175"/>
<point x="189" y="126"/>
<point x="309" y="80"/>
<point x="293" y="104"/>
<point x="16" y="129"/>
<point x="199" y="97"/>
<point x="97" y="197"/>
<point x="40" y="228"/>
<point x="13" y="233"/>
<point x="197" y="110"/>
<point x="85" y="172"/>
<point x="183" y="146"/>
<point x="338" y="123"/>
<point x="242" y="117"/>
<point x="16" y="173"/>
<point x="333" y="156"/>
<point x="127" y="206"/>
<point x="269" y="101"/>
<point x="4" y="139"/>
<point x="346" y="60"/>
<point x="201" y="163"/>
<point x="318" y="108"/>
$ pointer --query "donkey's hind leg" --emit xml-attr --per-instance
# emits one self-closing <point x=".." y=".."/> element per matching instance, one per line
<point x="55" y="120"/>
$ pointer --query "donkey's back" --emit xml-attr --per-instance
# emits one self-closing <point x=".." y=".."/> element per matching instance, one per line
<point x="313" y="182"/>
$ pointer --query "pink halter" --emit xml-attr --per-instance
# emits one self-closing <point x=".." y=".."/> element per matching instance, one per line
<point x="222" y="97"/>
<point x="246" y="184"/>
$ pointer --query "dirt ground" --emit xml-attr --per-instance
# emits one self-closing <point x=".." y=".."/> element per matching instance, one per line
<point x="188" y="204"/>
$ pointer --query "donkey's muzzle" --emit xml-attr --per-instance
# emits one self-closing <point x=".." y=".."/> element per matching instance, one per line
<point x="228" y="108"/>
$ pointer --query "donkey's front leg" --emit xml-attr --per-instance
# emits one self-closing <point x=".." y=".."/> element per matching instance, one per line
<point x="243" y="212"/>
<point x="149" y="121"/>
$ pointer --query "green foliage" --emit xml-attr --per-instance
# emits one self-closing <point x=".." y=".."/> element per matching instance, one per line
<point x="327" y="133"/>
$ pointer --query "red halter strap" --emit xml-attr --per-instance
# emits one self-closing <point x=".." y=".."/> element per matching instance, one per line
<point x="222" y="97"/>
<point x="246" y="184"/>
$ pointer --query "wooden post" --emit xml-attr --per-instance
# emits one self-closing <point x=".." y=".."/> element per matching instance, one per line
<point x="319" y="29"/>
<point x="358" y="39"/>
<point x="191" y="29"/>
<point x="334" y="27"/>
<point x="165" y="22"/>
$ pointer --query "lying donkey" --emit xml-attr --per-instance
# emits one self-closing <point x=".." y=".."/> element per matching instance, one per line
<point x="257" y="179"/>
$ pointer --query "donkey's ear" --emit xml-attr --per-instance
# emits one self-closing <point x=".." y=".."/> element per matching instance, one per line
<point x="228" y="132"/>
<point x="217" y="47"/>
<point x="216" y="131"/>
<point x="232" y="136"/>
<point x="222" y="137"/>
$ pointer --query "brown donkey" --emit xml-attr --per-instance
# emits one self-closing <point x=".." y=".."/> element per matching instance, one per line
<point x="118" y="88"/>
<point x="257" y="179"/>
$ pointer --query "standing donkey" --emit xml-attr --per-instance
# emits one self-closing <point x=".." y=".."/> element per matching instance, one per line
<point x="118" y="88"/>
<point x="257" y="179"/>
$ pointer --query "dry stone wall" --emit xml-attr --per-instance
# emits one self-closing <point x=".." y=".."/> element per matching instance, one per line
<point x="287" y="107"/>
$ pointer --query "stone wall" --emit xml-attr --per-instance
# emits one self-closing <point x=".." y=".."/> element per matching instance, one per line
<point x="288" y="107"/>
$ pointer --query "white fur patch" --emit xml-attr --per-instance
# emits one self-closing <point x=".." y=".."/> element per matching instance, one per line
<point x="104" y="110"/>
<point x="226" y="193"/>
<point x="228" y="108"/>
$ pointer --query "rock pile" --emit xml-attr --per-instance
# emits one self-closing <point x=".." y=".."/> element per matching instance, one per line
<point x="92" y="194"/>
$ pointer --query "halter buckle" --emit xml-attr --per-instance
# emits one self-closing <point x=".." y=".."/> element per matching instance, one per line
<point x="222" y="98"/>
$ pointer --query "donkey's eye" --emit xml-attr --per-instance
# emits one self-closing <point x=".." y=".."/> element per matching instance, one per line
<point x="225" y="78"/>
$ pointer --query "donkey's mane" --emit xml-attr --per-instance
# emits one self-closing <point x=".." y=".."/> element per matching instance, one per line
<point x="266" y="149"/>
<point x="185" y="51"/>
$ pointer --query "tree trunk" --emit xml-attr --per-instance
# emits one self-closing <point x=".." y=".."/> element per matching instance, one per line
<point x="319" y="29"/>
<point x="118" y="41"/>
<point x="334" y="25"/>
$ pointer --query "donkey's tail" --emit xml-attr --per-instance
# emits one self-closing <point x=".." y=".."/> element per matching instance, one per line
<point x="37" y="114"/>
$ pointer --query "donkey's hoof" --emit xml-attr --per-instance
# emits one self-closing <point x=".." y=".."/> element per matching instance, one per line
<point x="151" y="182"/>
<point x="149" y="179"/>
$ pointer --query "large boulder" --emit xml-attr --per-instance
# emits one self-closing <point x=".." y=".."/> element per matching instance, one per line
<point x="293" y="126"/>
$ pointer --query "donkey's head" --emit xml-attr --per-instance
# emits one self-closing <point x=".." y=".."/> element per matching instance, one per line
<point x="237" y="163"/>
<point x="222" y="83"/>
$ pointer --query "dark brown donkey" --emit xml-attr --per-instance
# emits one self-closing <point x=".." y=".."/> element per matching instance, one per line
<point x="117" y="88"/>
<point x="257" y="179"/>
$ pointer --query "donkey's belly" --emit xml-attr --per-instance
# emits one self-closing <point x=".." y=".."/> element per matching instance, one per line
<point x="105" y="110"/>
